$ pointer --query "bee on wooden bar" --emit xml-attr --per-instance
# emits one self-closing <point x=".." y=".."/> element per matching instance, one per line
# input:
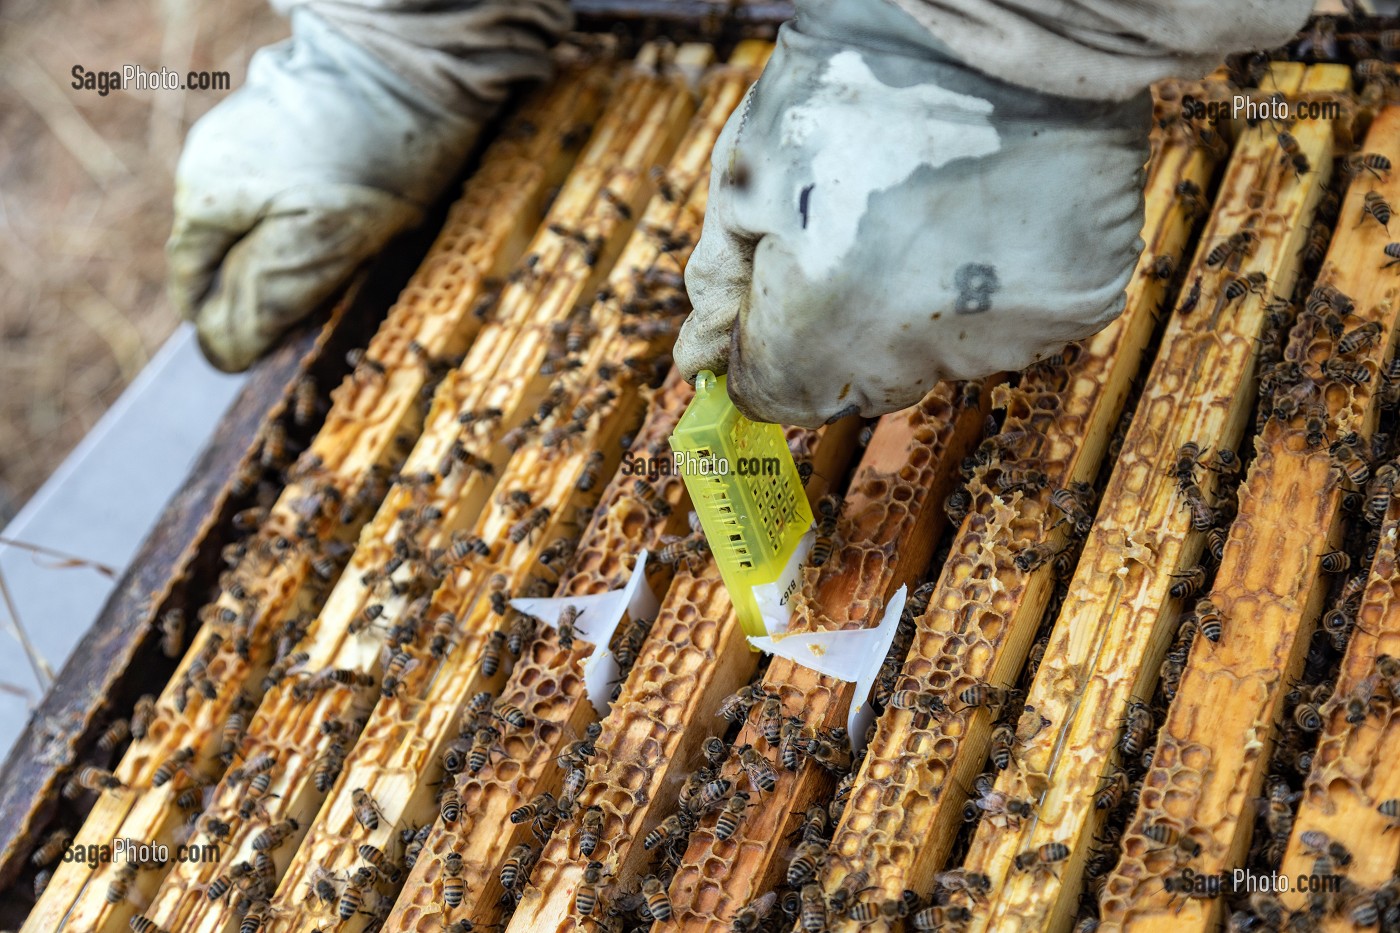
<point x="275" y="835"/>
<point x="1190" y="196"/>
<point x="173" y="765"/>
<point x="1237" y="286"/>
<point x="1355" y="164"/>
<point x="1390" y="809"/>
<point x="736" y="706"/>
<point x="1392" y="252"/>
<point x="939" y="917"/>
<point x="813" y="914"/>
<point x="1111" y="791"/>
<point x="676" y="826"/>
<point x="586" y="895"/>
<point x="518" y="436"/>
<point x="1241" y="243"/>
<point x="328" y="766"/>
<point x="1189" y="582"/>
<point x="1359" y="338"/>
<point x="648" y="495"/>
<point x="1293" y="154"/>
<point x="480" y="417"/>
<point x="482" y="742"/>
<point x="728" y="822"/>
<point x="51" y="848"/>
<point x="363" y="365"/>
<point x="1168" y="837"/>
<point x="982" y="695"/>
<point x="658" y="902"/>
<point x="1137" y="725"/>
<point x="1043" y="858"/>
<point x="1162" y="267"/>
<point x="365" y="809"/>
<point x="140" y="923"/>
<point x="1203" y="516"/>
<point x="457" y="453"/>
<point x="1025" y="481"/>
<point x="1035" y="556"/>
<point x="1376" y="207"/>
<point x="352" y="899"/>
<point x="450" y="803"/>
<point x="1319" y="238"/>
<point x="957" y="505"/>
<point x="535" y="806"/>
<point x="528" y="525"/>
<point x="921" y="702"/>
<point x="759" y="771"/>
<point x="1193" y="298"/>
<point x="517" y="865"/>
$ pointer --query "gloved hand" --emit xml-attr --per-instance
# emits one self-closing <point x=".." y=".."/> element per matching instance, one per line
<point x="882" y="216"/>
<point x="340" y="138"/>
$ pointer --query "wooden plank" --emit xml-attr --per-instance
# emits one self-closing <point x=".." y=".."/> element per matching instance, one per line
<point x="641" y="124"/>
<point x="371" y="413"/>
<point x="1112" y="631"/>
<point x="892" y="517"/>
<point x="1214" y="747"/>
<point x="904" y="810"/>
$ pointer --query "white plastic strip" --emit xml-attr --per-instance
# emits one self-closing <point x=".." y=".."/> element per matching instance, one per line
<point x="774" y="599"/>
<point x="599" y="616"/>
<point x="853" y="655"/>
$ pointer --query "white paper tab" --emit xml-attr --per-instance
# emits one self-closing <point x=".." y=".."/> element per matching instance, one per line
<point x="852" y="655"/>
<point x="775" y="599"/>
<point x="599" y="616"/>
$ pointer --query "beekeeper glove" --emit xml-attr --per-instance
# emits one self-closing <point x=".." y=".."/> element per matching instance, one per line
<point x="882" y="216"/>
<point x="340" y="138"/>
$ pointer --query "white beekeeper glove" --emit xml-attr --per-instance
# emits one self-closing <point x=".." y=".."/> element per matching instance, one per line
<point x="340" y="139"/>
<point x="882" y="216"/>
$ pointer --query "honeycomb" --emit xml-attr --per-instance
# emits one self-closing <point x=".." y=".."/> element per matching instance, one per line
<point x="476" y="453"/>
<point x="357" y="448"/>
<point x="1110" y="637"/>
<point x="900" y="823"/>
<point x="891" y="511"/>
<point x="1214" y="746"/>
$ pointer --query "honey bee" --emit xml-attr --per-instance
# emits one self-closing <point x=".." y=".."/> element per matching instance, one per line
<point x="1192" y="299"/>
<point x="1315" y="425"/>
<point x="1189" y="582"/>
<point x="482" y="742"/>
<point x="1359" y="338"/>
<point x="1355" y="164"/>
<point x="1111" y="791"/>
<point x="957" y="505"/>
<point x="172" y="632"/>
<point x="1307" y="717"/>
<point x="397" y="665"/>
<point x="675" y="826"/>
<point x="1035" y="556"/>
<point x="870" y="911"/>
<point x="1376" y="207"/>
<point x="48" y="851"/>
<point x="1388" y="670"/>
<point x="1241" y="243"/>
<point x="1237" y="286"/>
<point x="516" y="502"/>
<point x="517" y="866"/>
<point x="522" y="529"/>
<point x="586" y="895"/>
<point x="728" y="822"/>
<point x="753" y="916"/>
<point x="984" y="695"/>
<point x="566" y="627"/>
<point x="454" y="889"/>
<point x="173" y="765"/>
<point x="450" y="803"/>
<point x="364" y="366"/>
<point x="813" y="911"/>
<point x="1167" y="837"/>
<point x="275" y="835"/>
<point x="1044" y="857"/>
<point x="658" y="902"/>
<point x="143" y="924"/>
<point x="512" y="715"/>
<point x="648" y="495"/>
<point x="736" y="706"/>
<point x="922" y="702"/>
<point x="1203" y="516"/>
<point x="939" y="917"/>
<point x="759" y="771"/>
<point x="352" y="899"/>
<point x="1190" y="195"/>
<point x="365" y="809"/>
<point x="1293" y="154"/>
<point x="142" y="716"/>
<point x="381" y="863"/>
<point x="1025" y="481"/>
<point x="1137" y="725"/>
<point x="538" y="804"/>
<point x="328" y="766"/>
<point x="491" y="653"/>
<point x="1390" y="809"/>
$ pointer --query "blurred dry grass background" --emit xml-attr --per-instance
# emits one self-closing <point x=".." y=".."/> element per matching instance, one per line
<point x="85" y="188"/>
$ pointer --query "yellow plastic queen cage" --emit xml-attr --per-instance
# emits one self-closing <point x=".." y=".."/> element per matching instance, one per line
<point x="744" y="486"/>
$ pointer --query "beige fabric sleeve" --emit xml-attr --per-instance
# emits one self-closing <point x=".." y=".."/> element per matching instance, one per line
<point x="463" y="54"/>
<point x="1103" y="49"/>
